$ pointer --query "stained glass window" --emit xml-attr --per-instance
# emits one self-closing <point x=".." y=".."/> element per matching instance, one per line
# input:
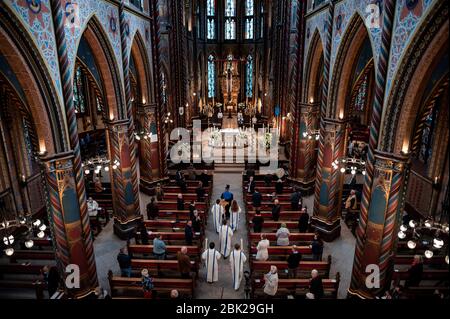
<point x="79" y="99"/>
<point x="164" y="88"/>
<point x="211" y="32"/>
<point x="210" y="8"/>
<point x="230" y="8"/>
<point x="249" y="7"/>
<point x="361" y="95"/>
<point x="249" y="28"/>
<point x="426" y="141"/>
<point x="210" y="20"/>
<point x="211" y="77"/>
<point x="261" y="31"/>
<point x="230" y="29"/>
<point x="249" y="77"/>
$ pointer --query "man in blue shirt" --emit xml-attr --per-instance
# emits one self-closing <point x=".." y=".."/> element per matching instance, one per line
<point x="228" y="197"/>
<point x="159" y="248"/>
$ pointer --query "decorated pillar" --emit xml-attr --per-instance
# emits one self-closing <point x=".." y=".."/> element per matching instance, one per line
<point x="380" y="87"/>
<point x="149" y="148"/>
<point x="327" y="203"/>
<point x="384" y="214"/>
<point x="125" y="198"/>
<point x="67" y="192"/>
<point x="129" y="107"/>
<point x="70" y="224"/>
<point x="307" y="145"/>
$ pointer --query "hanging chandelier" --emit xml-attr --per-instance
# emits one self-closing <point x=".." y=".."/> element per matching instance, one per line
<point x="11" y="230"/>
<point x="98" y="163"/>
<point x="350" y="165"/>
<point x="311" y="134"/>
<point x="430" y="235"/>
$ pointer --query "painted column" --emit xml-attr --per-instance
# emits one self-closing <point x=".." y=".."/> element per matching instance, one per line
<point x="326" y="217"/>
<point x="74" y="232"/>
<point x="125" y="198"/>
<point x="380" y="86"/>
<point x="307" y="146"/>
<point x="149" y="151"/>
<point x="129" y="104"/>
<point x="71" y="231"/>
<point x="384" y="213"/>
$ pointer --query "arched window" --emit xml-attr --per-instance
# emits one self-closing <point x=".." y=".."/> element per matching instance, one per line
<point x="261" y="31"/>
<point x="211" y="77"/>
<point x="210" y="20"/>
<point x="249" y="12"/>
<point x="230" y="20"/>
<point x="164" y="88"/>
<point x="249" y="77"/>
<point x="79" y="87"/>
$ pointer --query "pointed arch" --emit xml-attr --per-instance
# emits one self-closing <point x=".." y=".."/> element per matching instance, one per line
<point x="344" y="65"/>
<point x="312" y="71"/>
<point x="419" y="59"/>
<point x="40" y="95"/>
<point x="141" y="60"/>
<point x="114" y="98"/>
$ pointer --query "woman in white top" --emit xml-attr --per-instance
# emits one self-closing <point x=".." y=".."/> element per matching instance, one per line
<point x="271" y="281"/>
<point x="283" y="235"/>
<point x="235" y="215"/>
<point x="262" y="248"/>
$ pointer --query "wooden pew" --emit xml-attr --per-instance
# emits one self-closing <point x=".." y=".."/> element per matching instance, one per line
<point x="132" y="287"/>
<point x="176" y="189"/>
<point x="14" y="272"/>
<point x="285" y="206"/>
<point x="268" y="197"/>
<point x="267" y="215"/>
<point x="172" y="205"/>
<point x="296" y="287"/>
<point x="424" y="292"/>
<point x="271" y="226"/>
<point x="173" y="238"/>
<point x="408" y="259"/>
<point x="186" y="196"/>
<point x="36" y="285"/>
<point x="192" y="251"/>
<point x="181" y="215"/>
<point x="158" y="266"/>
<point x="31" y="255"/>
<point x="282" y="252"/>
<point x="428" y="274"/>
<point x="294" y="238"/>
<point x="259" y="268"/>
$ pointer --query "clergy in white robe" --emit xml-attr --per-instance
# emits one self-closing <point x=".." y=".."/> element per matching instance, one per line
<point x="225" y="236"/>
<point x="237" y="260"/>
<point x="271" y="281"/>
<point x="217" y="213"/>
<point x="235" y="215"/>
<point x="211" y="257"/>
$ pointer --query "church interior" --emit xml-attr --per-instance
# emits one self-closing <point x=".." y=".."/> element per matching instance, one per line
<point x="224" y="149"/>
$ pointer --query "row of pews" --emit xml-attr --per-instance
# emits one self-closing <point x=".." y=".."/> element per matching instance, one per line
<point x="298" y="286"/>
<point x="170" y="223"/>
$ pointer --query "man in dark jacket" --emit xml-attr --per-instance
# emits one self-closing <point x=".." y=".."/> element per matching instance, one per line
<point x="315" y="286"/>
<point x="179" y="177"/>
<point x="204" y="178"/>
<point x="189" y="233"/>
<point x="124" y="259"/>
<point x="293" y="261"/>
<point x="180" y="202"/>
<point x="268" y="179"/>
<point x="415" y="272"/>
<point x="256" y="199"/>
<point x="258" y="222"/>
<point x="184" y="263"/>
<point x="276" y="210"/>
<point x="279" y="186"/>
<point x="303" y="221"/>
<point x="152" y="209"/>
<point x="296" y="200"/>
<point x="200" y="192"/>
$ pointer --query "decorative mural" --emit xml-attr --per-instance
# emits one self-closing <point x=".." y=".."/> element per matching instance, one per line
<point x="344" y="12"/>
<point x="77" y="15"/>
<point x="36" y="17"/>
<point x="408" y="16"/>
<point x="313" y="23"/>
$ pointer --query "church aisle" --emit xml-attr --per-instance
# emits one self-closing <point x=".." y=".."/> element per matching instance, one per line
<point x="223" y="289"/>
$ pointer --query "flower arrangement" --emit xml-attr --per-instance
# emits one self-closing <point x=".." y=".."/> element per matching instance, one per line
<point x="215" y="138"/>
<point x="267" y="139"/>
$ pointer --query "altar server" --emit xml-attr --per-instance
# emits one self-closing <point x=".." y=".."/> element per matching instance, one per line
<point x="211" y="257"/>
<point x="217" y="213"/>
<point x="237" y="260"/>
<point x="225" y="236"/>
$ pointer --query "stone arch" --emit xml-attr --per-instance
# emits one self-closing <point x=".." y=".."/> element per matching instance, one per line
<point x="315" y="54"/>
<point x="114" y="97"/>
<point x="31" y="72"/>
<point x="419" y="60"/>
<point x="340" y="82"/>
<point x="141" y="61"/>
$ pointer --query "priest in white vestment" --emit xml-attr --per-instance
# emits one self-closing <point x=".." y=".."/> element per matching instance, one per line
<point x="225" y="236"/>
<point x="211" y="257"/>
<point x="237" y="260"/>
<point x="217" y="213"/>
